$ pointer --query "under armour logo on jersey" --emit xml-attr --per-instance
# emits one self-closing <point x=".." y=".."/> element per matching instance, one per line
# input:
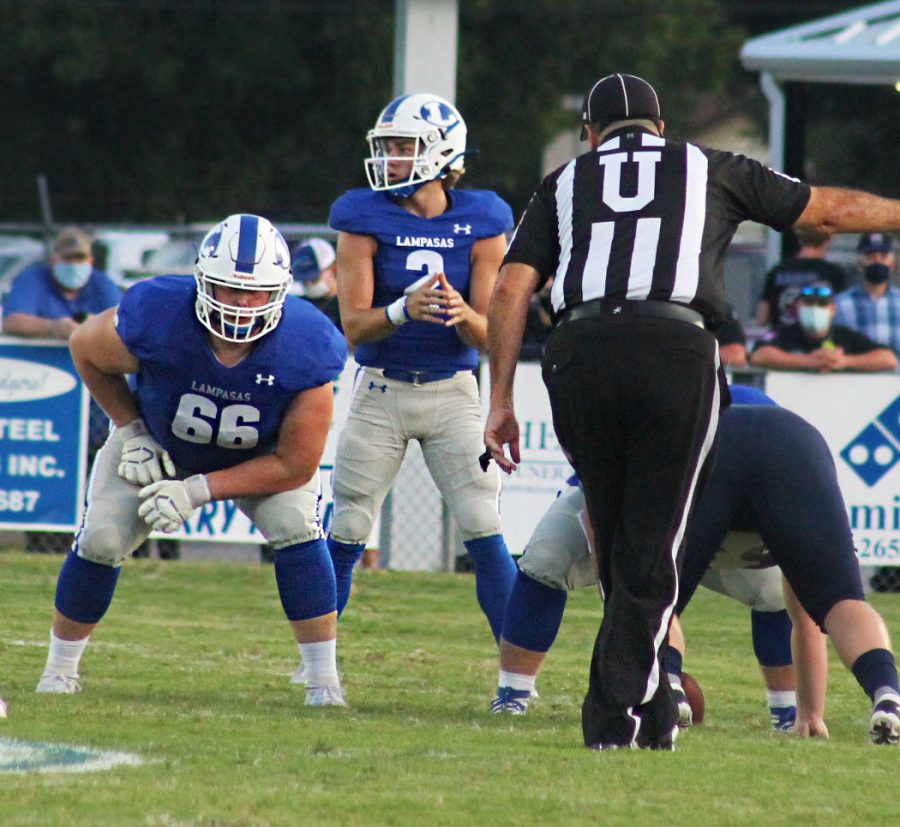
<point x="617" y="309"/>
<point x="374" y="387"/>
<point x="462" y="228"/>
<point x="269" y="380"/>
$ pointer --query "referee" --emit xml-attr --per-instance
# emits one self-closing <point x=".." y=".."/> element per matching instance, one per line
<point x="635" y="233"/>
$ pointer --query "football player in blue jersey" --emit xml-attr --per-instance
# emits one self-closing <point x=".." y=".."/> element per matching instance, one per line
<point x="773" y="476"/>
<point x="416" y="263"/>
<point x="231" y="397"/>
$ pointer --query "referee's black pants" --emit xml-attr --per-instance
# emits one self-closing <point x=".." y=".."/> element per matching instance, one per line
<point x="635" y="404"/>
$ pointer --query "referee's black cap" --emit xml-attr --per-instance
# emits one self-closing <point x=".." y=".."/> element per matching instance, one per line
<point x="619" y="97"/>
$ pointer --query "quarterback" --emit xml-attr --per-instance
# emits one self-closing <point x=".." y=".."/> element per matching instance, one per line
<point x="217" y="387"/>
<point x="416" y="264"/>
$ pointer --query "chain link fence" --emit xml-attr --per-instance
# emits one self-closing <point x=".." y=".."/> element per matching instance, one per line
<point x="415" y="531"/>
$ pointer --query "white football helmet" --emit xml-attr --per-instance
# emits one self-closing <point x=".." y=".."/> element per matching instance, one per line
<point x="440" y="135"/>
<point x="243" y="252"/>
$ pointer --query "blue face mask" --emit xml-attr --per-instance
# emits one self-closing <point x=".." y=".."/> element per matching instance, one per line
<point x="72" y="275"/>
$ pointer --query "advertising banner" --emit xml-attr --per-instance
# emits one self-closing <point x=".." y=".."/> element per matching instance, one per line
<point x="528" y="492"/>
<point x="859" y="416"/>
<point x="43" y="437"/>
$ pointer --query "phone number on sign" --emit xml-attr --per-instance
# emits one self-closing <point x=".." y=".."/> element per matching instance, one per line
<point x="882" y="549"/>
<point x="18" y="500"/>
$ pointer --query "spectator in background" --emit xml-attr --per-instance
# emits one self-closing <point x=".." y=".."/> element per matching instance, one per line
<point x="816" y="343"/>
<point x="873" y="306"/>
<point x="50" y="300"/>
<point x="315" y="277"/>
<point x="732" y="340"/>
<point x="784" y="280"/>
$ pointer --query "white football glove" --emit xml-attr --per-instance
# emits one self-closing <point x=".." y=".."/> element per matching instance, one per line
<point x="168" y="503"/>
<point x="143" y="459"/>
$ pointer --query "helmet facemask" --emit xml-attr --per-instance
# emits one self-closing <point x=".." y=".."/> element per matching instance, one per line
<point x="439" y="135"/>
<point x="244" y="252"/>
<point x="233" y="323"/>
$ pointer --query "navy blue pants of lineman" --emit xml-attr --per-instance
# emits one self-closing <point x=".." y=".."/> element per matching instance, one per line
<point x="635" y="404"/>
<point x="774" y="475"/>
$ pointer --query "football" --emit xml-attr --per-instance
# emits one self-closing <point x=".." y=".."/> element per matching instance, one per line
<point x="695" y="697"/>
<point x="2" y="708"/>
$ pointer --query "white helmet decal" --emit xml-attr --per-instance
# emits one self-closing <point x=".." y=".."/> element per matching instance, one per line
<point x="439" y="133"/>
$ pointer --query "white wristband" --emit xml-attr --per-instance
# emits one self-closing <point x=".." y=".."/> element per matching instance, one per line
<point x="197" y="490"/>
<point x="397" y="313"/>
<point x="134" y="428"/>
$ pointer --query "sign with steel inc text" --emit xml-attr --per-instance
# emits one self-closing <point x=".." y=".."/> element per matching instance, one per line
<point x="859" y="416"/>
<point x="528" y="492"/>
<point x="43" y="437"/>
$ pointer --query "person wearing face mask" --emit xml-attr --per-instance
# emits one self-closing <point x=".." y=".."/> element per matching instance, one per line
<point x="816" y="343"/>
<point x="315" y="277"/>
<point x="50" y="300"/>
<point x="873" y="306"/>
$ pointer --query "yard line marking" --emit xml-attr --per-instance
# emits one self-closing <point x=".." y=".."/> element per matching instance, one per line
<point x="32" y="756"/>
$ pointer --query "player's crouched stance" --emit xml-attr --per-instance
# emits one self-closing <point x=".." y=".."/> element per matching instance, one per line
<point x="231" y="398"/>
<point x="772" y="471"/>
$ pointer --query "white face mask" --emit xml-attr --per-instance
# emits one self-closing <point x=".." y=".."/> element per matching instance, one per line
<point x="814" y="320"/>
<point x="72" y="274"/>
<point x="315" y="289"/>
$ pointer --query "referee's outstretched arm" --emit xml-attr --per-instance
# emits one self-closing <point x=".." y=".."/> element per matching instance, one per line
<point x="841" y="210"/>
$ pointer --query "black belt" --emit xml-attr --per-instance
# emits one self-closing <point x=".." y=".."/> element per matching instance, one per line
<point x="417" y="377"/>
<point x="624" y="309"/>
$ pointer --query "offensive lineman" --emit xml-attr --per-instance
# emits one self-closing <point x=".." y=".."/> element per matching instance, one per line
<point x="416" y="265"/>
<point x="232" y="398"/>
<point x="772" y="471"/>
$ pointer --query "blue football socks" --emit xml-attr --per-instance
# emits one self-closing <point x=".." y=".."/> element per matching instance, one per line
<point x="495" y="572"/>
<point x="771" y="637"/>
<point x="533" y="614"/>
<point x="85" y="589"/>
<point x="874" y="670"/>
<point x="305" y="578"/>
<point x="344" y="557"/>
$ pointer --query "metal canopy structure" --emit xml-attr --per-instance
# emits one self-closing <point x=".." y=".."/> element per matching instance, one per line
<point x="857" y="46"/>
<point x="860" y="46"/>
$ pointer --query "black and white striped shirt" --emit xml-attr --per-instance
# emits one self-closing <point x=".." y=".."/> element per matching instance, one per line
<point x="642" y="217"/>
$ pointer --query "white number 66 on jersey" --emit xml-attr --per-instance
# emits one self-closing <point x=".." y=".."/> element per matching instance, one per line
<point x="196" y="416"/>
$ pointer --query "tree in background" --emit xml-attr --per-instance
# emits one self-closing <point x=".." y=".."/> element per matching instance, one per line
<point x="169" y="110"/>
<point x="186" y="109"/>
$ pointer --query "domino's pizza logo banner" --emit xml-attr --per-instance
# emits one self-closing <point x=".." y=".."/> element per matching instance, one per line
<point x="859" y="417"/>
<point x="875" y="450"/>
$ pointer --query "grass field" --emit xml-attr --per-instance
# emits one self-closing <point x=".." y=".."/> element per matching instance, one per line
<point x="190" y="672"/>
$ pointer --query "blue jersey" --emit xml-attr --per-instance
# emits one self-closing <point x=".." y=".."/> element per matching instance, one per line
<point x="35" y="292"/>
<point x="208" y="416"/>
<point x="747" y="395"/>
<point x="409" y="249"/>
